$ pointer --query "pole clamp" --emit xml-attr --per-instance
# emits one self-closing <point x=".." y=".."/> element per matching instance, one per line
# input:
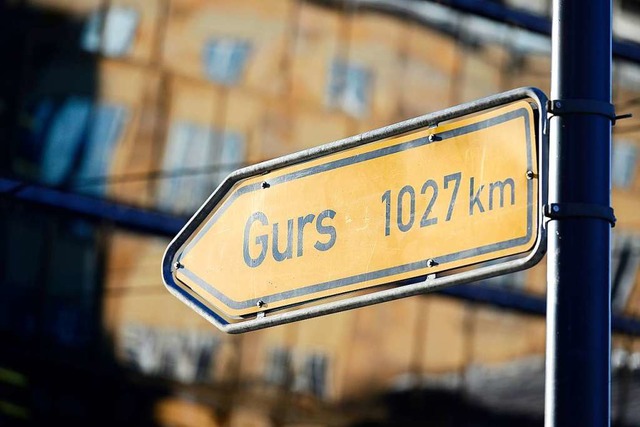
<point x="580" y="210"/>
<point x="562" y="107"/>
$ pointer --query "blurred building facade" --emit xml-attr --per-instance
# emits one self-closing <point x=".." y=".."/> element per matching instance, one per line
<point x="151" y="104"/>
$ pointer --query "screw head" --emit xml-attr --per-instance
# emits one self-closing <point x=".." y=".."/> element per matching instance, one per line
<point x="432" y="137"/>
<point x="265" y="184"/>
<point x="261" y="303"/>
<point x="556" y="208"/>
<point x="177" y="265"/>
<point x="431" y="262"/>
<point x="530" y="174"/>
<point x="558" y="104"/>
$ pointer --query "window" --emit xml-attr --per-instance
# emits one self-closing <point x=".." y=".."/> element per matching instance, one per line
<point x="77" y="139"/>
<point x="349" y="88"/>
<point x="311" y="377"/>
<point x="196" y="159"/>
<point x="105" y="127"/>
<point x="278" y="369"/>
<point x="232" y="155"/>
<point x="623" y="167"/>
<point x="62" y="138"/>
<point x="225" y="60"/>
<point x="510" y="281"/>
<point x="624" y="269"/>
<point x="50" y="279"/>
<point x="541" y="7"/>
<point x="112" y="32"/>
<point x="181" y="355"/>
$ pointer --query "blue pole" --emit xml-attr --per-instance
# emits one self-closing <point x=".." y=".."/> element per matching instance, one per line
<point x="578" y="293"/>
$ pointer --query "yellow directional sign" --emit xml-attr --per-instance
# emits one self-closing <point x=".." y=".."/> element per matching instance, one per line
<point x="421" y="202"/>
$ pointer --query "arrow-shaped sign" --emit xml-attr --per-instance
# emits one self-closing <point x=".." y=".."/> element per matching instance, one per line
<point x="406" y="202"/>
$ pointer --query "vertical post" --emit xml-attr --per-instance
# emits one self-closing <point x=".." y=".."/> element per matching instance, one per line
<point x="578" y="293"/>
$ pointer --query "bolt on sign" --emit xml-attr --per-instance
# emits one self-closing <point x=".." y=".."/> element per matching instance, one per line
<point x="445" y="198"/>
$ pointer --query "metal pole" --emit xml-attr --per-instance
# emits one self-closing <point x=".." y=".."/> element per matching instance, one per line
<point x="578" y="294"/>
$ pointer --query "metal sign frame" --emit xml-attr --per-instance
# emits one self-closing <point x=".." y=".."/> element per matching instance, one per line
<point x="407" y="288"/>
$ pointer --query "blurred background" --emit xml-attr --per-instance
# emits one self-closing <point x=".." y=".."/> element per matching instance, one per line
<point x="119" y="117"/>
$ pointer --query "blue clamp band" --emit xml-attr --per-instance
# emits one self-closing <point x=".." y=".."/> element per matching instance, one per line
<point x="563" y="107"/>
<point x="580" y="210"/>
